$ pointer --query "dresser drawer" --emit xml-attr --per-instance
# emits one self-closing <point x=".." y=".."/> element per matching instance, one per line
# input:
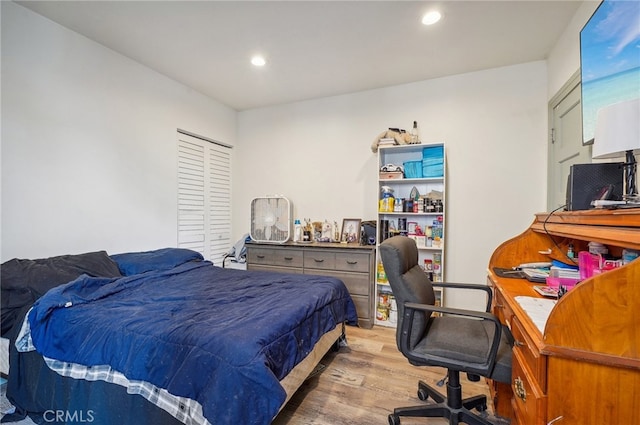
<point x="287" y="257"/>
<point x="259" y="256"/>
<point x="277" y="269"/>
<point x="275" y="257"/>
<point x="362" y="308"/>
<point x="529" y="354"/>
<point x="530" y="404"/>
<point x="353" y="262"/>
<point x="320" y="260"/>
<point x="356" y="283"/>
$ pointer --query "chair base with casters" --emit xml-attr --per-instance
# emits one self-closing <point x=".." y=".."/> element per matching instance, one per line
<point x="452" y="407"/>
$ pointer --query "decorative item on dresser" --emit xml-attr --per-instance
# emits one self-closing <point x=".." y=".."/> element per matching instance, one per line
<point x="579" y="362"/>
<point x="350" y="230"/>
<point x="351" y="263"/>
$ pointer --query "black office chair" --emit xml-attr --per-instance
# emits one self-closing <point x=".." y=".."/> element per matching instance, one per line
<point x="458" y="340"/>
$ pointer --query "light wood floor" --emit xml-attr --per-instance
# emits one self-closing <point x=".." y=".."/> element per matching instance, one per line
<point x="363" y="383"/>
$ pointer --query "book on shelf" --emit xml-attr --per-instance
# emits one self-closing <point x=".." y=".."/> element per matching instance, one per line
<point x="387" y="141"/>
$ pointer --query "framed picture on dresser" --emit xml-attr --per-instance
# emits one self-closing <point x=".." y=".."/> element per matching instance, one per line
<point x="350" y="230"/>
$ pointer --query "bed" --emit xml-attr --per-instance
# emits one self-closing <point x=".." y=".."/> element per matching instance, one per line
<point x="162" y="337"/>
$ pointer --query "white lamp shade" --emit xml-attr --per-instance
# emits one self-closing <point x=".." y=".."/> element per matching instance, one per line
<point x="617" y="130"/>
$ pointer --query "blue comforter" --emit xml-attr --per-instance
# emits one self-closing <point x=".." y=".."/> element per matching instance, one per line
<point x="222" y="337"/>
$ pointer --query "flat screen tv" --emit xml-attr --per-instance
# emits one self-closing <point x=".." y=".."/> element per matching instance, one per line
<point x="609" y="59"/>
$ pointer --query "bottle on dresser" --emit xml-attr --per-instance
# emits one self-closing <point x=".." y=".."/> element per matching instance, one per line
<point x="297" y="231"/>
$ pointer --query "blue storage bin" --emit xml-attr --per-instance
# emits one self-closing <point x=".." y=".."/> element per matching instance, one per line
<point x="412" y="169"/>
<point x="433" y="161"/>
<point x="433" y="152"/>
<point x="436" y="170"/>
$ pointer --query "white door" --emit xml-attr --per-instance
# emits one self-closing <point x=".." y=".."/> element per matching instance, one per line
<point x="565" y="144"/>
<point x="204" y="197"/>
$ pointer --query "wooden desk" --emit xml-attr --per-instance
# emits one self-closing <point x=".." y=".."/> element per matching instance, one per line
<point x="584" y="368"/>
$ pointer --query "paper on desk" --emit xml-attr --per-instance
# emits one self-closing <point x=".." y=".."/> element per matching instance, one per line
<point x="538" y="309"/>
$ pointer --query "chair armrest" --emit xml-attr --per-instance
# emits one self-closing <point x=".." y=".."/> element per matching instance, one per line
<point x="409" y="314"/>
<point x="478" y="287"/>
<point x="454" y="311"/>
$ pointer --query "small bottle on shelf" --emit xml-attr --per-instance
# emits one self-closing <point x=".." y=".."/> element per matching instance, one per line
<point x="570" y="253"/>
<point x="437" y="267"/>
<point x="415" y="137"/>
<point x="381" y="276"/>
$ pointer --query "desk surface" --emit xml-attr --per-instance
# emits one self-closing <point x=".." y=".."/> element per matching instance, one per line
<point x="597" y="320"/>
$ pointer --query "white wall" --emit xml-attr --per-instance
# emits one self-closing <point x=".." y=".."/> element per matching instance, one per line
<point x="89" y="143"/>
<point x="493" y="122"/>
<point x="564" y="59"/>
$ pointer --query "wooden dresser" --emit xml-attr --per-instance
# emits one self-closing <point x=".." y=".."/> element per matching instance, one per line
<point x="351" y="263"/>
<point x="584" y="366"/>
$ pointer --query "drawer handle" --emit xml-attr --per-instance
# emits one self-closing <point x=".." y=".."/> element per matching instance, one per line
<point x="318" y="261"/>
<point x="555" y="420"/>
<point x="499" y="305"/>
<point x="519" y="389"/>
<point x="352" y="262"/>
<point x="260" y="256"/>
<point x="517" y="343"/>
<point x="288" y="258"/>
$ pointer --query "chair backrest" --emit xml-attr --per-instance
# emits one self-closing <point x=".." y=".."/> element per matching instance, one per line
<point x="408" y="281"/>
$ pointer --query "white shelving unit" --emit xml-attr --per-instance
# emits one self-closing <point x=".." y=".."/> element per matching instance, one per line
<point x="432" y="250"/>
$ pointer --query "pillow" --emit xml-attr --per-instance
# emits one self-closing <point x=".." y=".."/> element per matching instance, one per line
<point x="160" y="259"/>
<point x="24" y="281"/>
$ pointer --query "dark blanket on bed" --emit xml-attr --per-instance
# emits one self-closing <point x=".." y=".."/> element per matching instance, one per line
<point x="23" y="281"/>
<point x="222" y="337"/>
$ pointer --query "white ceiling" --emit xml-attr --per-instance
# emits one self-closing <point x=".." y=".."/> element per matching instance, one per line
<point x="313" y="48"/>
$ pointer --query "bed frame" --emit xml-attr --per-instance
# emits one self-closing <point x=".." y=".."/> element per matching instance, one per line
<point x="301" y="372"/>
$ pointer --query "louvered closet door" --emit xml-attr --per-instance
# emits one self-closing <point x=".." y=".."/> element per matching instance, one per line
<point x="204" y="197"/>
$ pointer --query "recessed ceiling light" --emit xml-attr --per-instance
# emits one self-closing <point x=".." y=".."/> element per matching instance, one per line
<point x="431" y="18"/>
<point x="258" y="60"/>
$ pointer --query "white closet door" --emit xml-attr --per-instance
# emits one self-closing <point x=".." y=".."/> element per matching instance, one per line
<point x="204" y="197"/>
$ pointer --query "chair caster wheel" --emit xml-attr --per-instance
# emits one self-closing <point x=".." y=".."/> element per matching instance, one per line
<point x="422" y="394"/>
<point x="394" y="420"/>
